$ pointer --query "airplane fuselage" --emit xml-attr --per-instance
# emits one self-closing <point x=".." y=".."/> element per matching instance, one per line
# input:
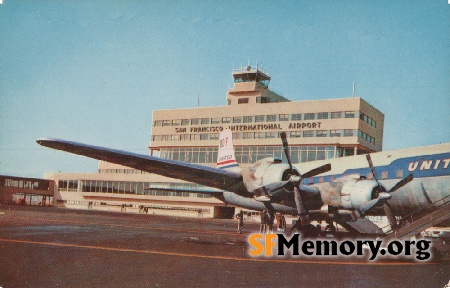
<point x="429" y="188"/>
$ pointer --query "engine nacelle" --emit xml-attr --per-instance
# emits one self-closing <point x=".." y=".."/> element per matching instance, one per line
<point x="356" y="193"/>
<point x="265" y="172"/>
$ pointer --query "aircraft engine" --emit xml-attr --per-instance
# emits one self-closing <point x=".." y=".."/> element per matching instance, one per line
<point x="276" y="172"/>
<point x="357" y="193"/>
<point x="266" y="172"/>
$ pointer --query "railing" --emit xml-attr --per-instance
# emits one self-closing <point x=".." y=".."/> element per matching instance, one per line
<point x="421" y="212"/>
<point x="249" y="68"/>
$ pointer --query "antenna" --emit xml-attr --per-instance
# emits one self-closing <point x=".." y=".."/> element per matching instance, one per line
<point x="198" y="101"/>
<point x="353" y="93"/>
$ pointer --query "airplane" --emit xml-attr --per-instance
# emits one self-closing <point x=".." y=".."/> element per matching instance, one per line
<point x="344" y="195"/>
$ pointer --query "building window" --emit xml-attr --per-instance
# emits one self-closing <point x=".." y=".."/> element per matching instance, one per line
<point x="176" y="122"/>
<point x="195" y="121"/>
<point x="237" y="119"/>
<point x="248" y="119"/>
<point x="284" y="117"/>
<point x="335" y="115"/>
<point x="205" y="121"/>
<point x="185" y="137"/>
<point x="237" y="135"/>
<point x="167" y="123"/>
<point x="310" y="116"/>
<point x="185" y="121"/>
<point x="259" y="118"/>
<point x="242" y="100"/>
<point x="226" y="120"/>
<point x="215" y="120"/>
<point x="322" y="133"/>
<point x="322" y="115"/>
<point x="271" y="118"/>
<point x="348" y="133"/>
<point x="259" y="135"/>
<point x="335" y="133"/>
<point x="307" y="134"/>
<point x="247" y="135"/>
<point x="296" y="134"/>
<point x="296" y="117"/>
<point x="349" y="114"/>
<point x="262" y="99"/>
<point x="271" y="134"/>
<point x="158" y="123"/>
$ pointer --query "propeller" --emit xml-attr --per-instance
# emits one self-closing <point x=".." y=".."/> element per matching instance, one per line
<point x="295" y="180"/>
<point x="383" y="195"/>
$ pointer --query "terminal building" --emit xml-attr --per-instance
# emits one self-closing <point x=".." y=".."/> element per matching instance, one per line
<point x="317" y="130"/>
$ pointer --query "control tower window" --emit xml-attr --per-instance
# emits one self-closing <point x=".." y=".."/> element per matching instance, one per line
<point x="242" y="100"/>
<point x="264" y="82"/>
<point x="262" y="100"/>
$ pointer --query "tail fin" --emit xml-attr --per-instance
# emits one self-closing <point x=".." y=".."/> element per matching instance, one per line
<point x="225" y="158"/>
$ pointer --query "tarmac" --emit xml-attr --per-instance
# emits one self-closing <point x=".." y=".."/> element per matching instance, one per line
<point x="58" y="247"/>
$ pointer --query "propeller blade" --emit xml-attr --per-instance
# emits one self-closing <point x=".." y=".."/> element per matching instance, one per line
<point x="402" y="183"/>
<point x="317" y="171"/>
<point x="301" y="210"/>
<point x="286" y="150"/>
<point x="369" y="159"/>
<point x="389" y="214"/>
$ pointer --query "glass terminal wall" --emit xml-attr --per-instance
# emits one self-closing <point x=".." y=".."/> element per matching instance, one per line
<point x="251" y="154"/>
<point x="128" y="187"/>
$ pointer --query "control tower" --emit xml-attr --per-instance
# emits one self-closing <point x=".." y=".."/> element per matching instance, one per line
<point x="251" y="86"/>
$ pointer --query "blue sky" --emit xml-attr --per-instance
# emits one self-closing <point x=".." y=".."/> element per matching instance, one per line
<point x="93" y="71"/>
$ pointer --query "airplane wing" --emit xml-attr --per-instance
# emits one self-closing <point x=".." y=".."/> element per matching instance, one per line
<point x="202" y="175"/>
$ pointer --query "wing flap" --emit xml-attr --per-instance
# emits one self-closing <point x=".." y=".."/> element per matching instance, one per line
<point x="202" y="175"/>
